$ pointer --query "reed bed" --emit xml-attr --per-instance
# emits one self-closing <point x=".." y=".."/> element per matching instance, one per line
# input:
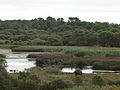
<point x="89" y="51"/>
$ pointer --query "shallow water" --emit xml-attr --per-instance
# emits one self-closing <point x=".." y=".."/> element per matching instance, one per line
<point x="17" y="65"/>
<point x="68" y="70"/>
<point x="88" y="71"/>
<point x="18" y="62"/>
<point x="72" y="70"/>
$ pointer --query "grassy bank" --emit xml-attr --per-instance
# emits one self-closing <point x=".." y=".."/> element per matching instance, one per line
<point x="94" y="88"/>
<point x="89" y="51"/>
<point x="8" y="46"/>
<point x="60" y="55"/>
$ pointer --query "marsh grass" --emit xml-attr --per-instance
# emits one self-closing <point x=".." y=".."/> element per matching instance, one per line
<point x="94" y="88"/>
<point x="89" y="51"/>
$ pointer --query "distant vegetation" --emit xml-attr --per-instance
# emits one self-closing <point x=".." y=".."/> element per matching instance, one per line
<point x="97" y="63"/>
<point x="51" y="31"/>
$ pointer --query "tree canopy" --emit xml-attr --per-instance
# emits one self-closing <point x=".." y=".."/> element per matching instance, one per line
<point x="51" y="31"/>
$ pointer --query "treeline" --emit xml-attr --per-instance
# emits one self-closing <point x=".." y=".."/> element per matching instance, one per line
<point x="51" y="31"/>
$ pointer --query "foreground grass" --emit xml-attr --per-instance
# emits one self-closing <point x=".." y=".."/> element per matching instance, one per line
<point x="50" y="74"/>
<point x="94" y="88"/>
<point x="89" y="51"/>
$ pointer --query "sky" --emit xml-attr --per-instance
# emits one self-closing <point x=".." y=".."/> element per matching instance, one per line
<point x="85" y="10"/>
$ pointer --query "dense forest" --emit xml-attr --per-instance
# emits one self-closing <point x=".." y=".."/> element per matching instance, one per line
<point x="51" y="31"/>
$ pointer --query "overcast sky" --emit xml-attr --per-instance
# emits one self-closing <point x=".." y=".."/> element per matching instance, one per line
<point x="86" y="10"/>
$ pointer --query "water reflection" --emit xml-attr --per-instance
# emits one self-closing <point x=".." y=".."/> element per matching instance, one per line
<point x="18" y="62"/>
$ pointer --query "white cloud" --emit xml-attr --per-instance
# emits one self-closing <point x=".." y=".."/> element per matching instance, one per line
<point x="89" y="10"/>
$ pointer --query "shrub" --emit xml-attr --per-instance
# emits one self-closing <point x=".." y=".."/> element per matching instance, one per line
<point x="60" y="84"/>
<point x="47" y="61"/>
<point x="52" y="70"/>
<point x="32" y="56"/>
<point x="98" y="80"/>
<point x="105" y="65"/>
<point x="115" y="54"/>
<point x="78" y="80"/>
<point x="27" y="50"/>
<point x="78" y="72"/>
<point x="57" y="84"/>
<point x="82" y="63"/>
<point x="80" y="54"/>
<point x="23" y="75"/>
<point x="101" y="66"/>
<point x="2" y="56"/>
<point x="27" y="85"/>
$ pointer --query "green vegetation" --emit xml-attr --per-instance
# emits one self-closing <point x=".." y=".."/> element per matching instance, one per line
<point x="8" y="46"/>
<point x="51" y="31"/>
<point x="48" y="78"/>
<point x="97" y="63"/>
<point x="2" y="56"/>
<point x="79" y="54"/>
<point x="60" y="55"/>
<point x="87" y="51"/>
<point x="73" y="43"/>
<point x="115" y="54"/>
<point x="107" y="65"/>
<point x="94" y="88"/>
<point x="98" y="80"/>
<point x="78" y="72"/>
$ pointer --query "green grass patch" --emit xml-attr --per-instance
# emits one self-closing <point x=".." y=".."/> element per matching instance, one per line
<point x="89" y="51"/>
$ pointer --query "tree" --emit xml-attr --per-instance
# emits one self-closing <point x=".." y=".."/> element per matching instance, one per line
<point x="82" y="38"/>
<point x="106" y="38"/>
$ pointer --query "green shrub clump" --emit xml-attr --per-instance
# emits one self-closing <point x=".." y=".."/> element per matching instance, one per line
<point x="98" y="80"/>
<point x="57" y="84"/>
<point x="78" y="72"/>
<point x="2" y="56"/>
<point x="113" y="54"/>
<point x="78" y="80"/>
<point x="80" y="54"/>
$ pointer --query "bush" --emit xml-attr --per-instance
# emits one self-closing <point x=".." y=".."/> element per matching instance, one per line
<point x="98" y="80"/>
<point x="106" y="65"/>
<point x="59" y="84"/>
<point x="39" y="42"/>
<point x="78" y="80"/>
<point x="52" y="70"/>
<point x="80" y="54"/>
<point x="2" y="56"/>
<point x="78" y="72"/>
<point x="27" y="50"/>
<point x="101" y="66"/>
<point x="27" y="85"/>
<point x="32" y="56"/>
<point x="82" y="63"/>
<point x="42" y="61"/>
<point x="113" y="54"/>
